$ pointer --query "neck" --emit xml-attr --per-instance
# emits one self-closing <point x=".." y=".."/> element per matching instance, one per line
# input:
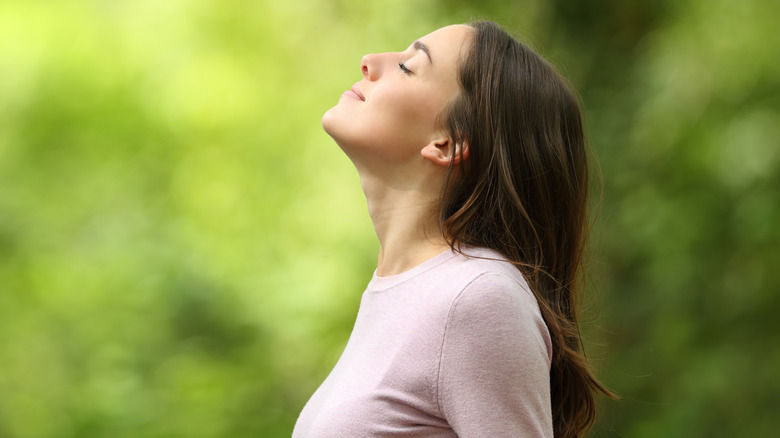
<point x="406" y="223"/>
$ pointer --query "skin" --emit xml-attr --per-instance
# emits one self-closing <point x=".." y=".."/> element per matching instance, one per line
<point x="388" y="126"/>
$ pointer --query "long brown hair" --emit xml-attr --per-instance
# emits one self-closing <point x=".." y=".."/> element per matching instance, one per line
<point x="523" y="192"/>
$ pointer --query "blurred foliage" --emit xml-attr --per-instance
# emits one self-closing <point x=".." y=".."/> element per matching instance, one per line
<point x="182" y="249"/>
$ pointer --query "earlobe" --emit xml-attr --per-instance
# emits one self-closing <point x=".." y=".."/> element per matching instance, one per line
<point x="440" y="152"/>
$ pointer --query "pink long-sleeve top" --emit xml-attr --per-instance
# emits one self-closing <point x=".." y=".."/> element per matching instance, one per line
<point x="455" y="347"/>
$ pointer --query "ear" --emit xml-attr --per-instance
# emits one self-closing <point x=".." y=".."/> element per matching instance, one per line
<point x="439" y="151"/>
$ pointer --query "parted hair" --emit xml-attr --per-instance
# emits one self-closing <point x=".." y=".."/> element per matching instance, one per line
<point x="523" y="191"/>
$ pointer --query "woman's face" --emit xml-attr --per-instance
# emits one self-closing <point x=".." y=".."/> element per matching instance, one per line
<point x="392" y="113"/>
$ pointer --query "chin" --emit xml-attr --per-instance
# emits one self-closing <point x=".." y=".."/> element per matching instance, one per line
<point x="327" y="121"/>
<point x="337" y="125"/>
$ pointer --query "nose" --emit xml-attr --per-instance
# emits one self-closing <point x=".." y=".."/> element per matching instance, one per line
<point x="370" y="67"/>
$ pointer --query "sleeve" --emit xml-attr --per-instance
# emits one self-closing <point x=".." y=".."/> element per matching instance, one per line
<point x="494" y="370"/>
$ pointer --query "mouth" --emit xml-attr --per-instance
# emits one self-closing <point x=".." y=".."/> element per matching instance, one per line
<point x="357" y="92"/>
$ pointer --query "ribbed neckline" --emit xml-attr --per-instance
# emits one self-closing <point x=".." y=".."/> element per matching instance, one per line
<point x="378" y="284"/>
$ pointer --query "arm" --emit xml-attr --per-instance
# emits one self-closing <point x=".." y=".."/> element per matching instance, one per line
<point x="494" y="375"/>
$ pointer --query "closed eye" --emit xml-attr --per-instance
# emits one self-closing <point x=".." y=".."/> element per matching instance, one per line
<point x="404" y="69"/>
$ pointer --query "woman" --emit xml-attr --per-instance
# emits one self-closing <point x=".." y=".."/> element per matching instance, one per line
<point x="472" y="158"/>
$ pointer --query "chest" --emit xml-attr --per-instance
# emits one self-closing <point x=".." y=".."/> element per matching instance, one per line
<point x="385" y="382"/>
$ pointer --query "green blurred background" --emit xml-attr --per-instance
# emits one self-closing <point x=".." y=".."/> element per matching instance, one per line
<point x="183" y="249"/>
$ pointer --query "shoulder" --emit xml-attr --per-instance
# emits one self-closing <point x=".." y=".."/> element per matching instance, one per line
<point x="494" y="303"/>
<point x="494" y="291"/>
<point x="493" y="300"/>
<point x="484" y="272"/>
<point x="495" y="357"/>
<point x="471" y="262"/>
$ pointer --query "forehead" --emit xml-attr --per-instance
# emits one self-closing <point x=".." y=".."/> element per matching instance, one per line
<point x="446" y="44"/>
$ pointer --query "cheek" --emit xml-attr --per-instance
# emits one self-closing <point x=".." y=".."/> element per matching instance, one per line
<point x="392" y="126"/>
<point x="408" y="117"/>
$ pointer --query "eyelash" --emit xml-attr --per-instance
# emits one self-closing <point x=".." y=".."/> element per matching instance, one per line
<point x="404" y="69"/>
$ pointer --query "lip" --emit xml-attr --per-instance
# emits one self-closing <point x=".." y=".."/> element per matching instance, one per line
<point x="357" y="91"/>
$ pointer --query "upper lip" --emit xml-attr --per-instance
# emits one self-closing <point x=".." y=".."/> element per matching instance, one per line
<point x="356" y="90"/>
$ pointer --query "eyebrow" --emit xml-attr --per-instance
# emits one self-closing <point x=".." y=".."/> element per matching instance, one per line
<point x="420" y="46"/>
